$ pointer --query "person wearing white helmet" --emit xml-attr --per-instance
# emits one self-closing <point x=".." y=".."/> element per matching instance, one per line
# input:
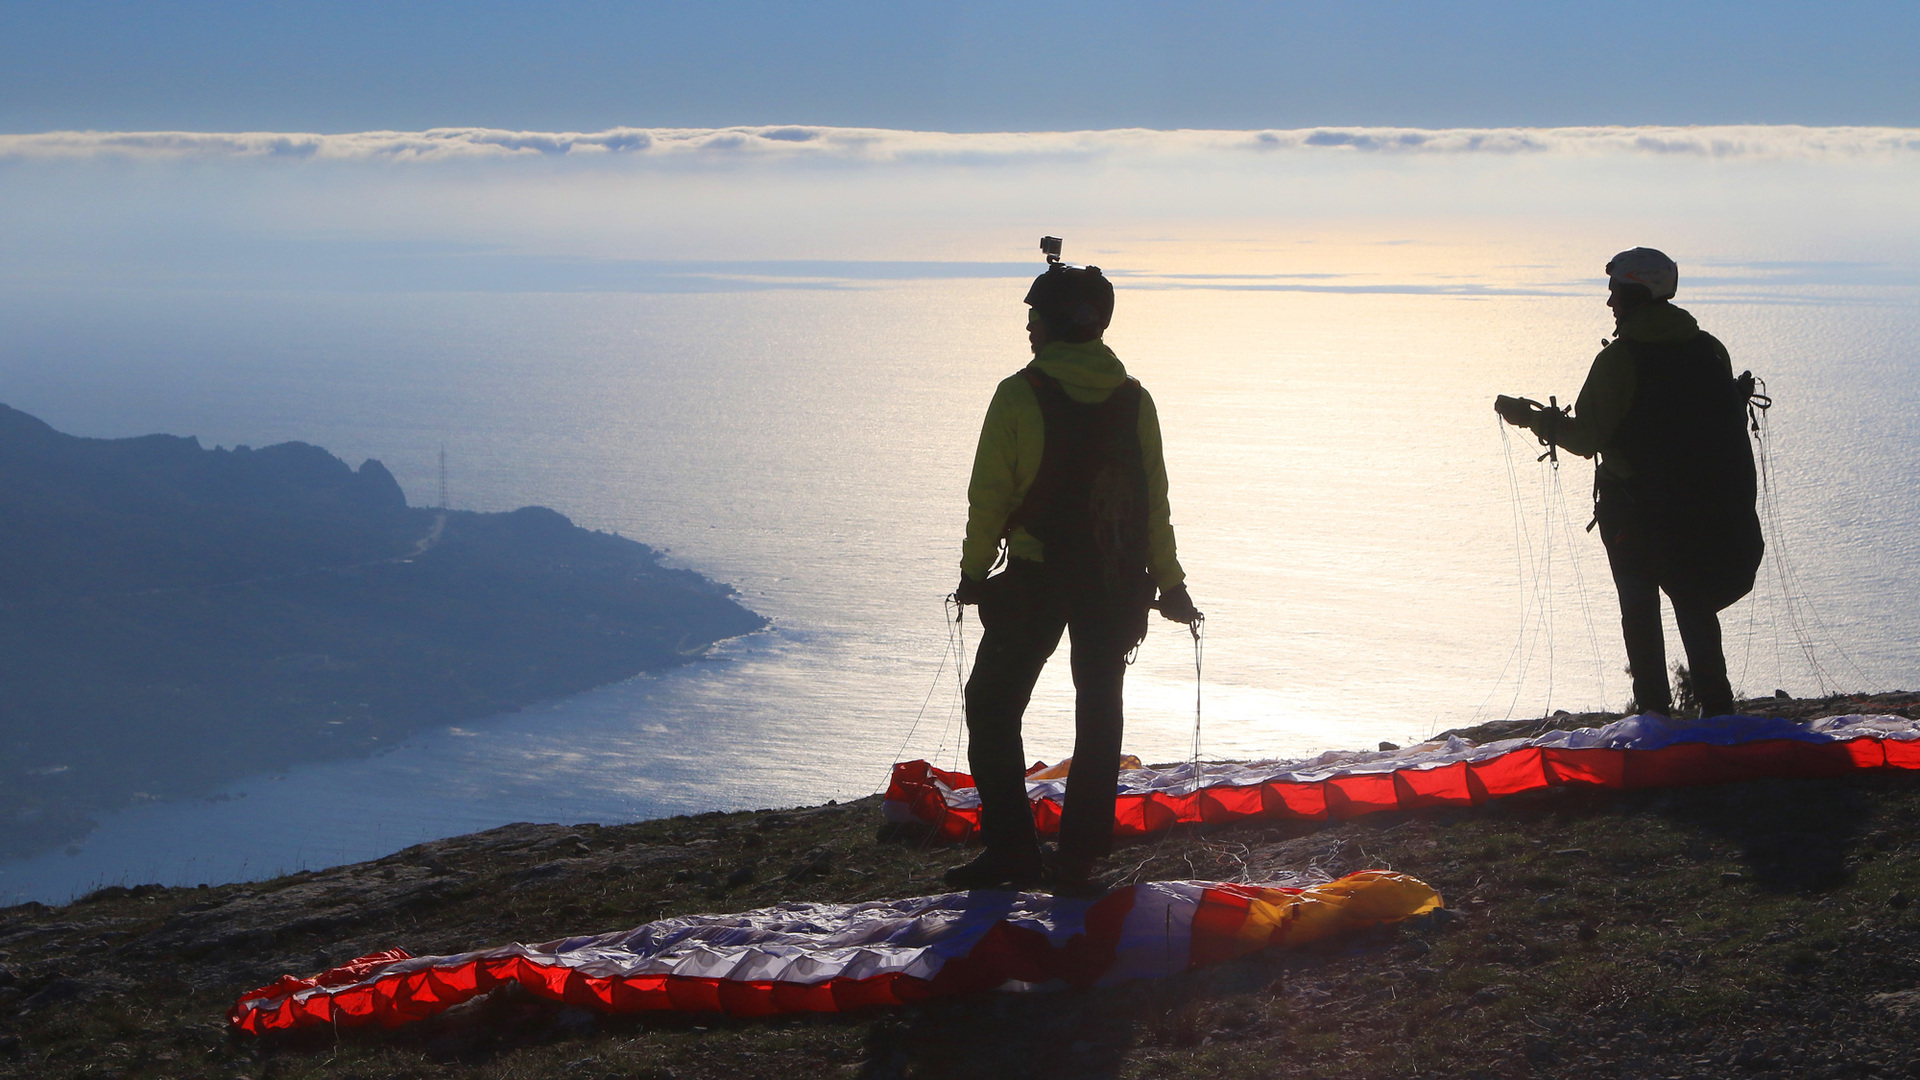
<point x="1674" y="487"/>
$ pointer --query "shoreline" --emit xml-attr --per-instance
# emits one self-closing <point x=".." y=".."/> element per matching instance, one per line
<point x="350" y="809"/>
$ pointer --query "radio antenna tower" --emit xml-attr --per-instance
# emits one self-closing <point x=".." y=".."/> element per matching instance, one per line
<point x="443" y="476"/>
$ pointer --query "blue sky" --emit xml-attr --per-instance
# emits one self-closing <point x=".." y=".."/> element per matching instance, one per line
<point x="353" y="66"/>
<point x="1385" y="120"/>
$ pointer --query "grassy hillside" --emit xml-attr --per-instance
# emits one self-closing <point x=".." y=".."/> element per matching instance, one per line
<point x="1761" y="929"/>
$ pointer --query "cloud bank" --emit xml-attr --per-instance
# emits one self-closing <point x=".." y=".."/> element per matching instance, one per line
<point x="877" y="145"/>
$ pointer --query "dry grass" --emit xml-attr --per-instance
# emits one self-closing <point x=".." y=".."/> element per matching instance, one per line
<point x="1745" y="929"/>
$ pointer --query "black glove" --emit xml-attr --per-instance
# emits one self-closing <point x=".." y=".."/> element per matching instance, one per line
<point x="1177" y="606"/>
<point x="969" y="591"/>
<point x="1516" y="411"/>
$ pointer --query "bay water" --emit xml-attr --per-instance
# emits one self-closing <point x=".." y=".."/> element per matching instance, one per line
<point x="1377" y="559"/>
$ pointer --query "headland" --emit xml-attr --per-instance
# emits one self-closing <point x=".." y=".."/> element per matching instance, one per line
<point x="173" y="617"/>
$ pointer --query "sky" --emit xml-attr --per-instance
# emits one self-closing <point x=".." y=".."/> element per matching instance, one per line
<point x="348" y="65"/>
<point x="584" y="145"/>
<point x="589" y="146"/>
<point x="577" y="144"/>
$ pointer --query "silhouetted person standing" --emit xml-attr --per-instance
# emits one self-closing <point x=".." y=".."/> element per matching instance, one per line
<point x="1069" y="473"/>
<point x="1674" y="488"/>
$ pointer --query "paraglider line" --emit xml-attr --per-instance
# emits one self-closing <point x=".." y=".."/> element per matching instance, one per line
<point x="1198" y="629"/>
<point x="1520" y="551"/>
<point x="1541" y="604"/>
<point x="959" y="690"/>
<point x="1793" y="601"/>
<point x="1547" y="482"/>
<point x="948" y="607"/>
<point x="1580" y="587"/>
<point x="954" y="630"/>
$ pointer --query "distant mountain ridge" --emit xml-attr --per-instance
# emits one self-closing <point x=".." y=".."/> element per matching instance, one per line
<point x="172" y="616"/>
<point x="160" y="511"/>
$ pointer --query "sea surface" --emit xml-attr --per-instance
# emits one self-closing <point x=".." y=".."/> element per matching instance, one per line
<point x="1377" y="559"/>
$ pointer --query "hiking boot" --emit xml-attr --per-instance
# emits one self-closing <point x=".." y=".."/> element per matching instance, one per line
<point x="1075" y="879"/>
<point x="996" y="870"/>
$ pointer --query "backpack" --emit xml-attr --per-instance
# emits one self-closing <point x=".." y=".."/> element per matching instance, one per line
<point x="1088" y="502"/>
<point x="1685" y="518"/>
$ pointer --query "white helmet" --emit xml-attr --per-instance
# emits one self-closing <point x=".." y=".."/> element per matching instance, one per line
<point x="1645" y="266"/>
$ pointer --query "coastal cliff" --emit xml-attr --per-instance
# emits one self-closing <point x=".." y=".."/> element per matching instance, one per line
<point x="172" y="617"/>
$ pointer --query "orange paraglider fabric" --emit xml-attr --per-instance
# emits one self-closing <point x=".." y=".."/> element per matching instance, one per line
<point x="1639" y="751"/>
<point x="836" y="957"/>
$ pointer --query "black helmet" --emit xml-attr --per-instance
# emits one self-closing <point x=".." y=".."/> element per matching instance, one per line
<point x="1075" y="302"/>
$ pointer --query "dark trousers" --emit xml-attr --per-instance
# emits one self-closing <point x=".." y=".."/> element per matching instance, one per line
<point x="1699" y="624"/>
<point x="1024" y="613"/>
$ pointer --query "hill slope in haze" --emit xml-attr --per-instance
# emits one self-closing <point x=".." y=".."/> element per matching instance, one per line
<point x="172" y="617"/>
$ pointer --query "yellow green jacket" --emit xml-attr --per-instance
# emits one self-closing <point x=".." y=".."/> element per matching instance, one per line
<point x="1012" y="439"/>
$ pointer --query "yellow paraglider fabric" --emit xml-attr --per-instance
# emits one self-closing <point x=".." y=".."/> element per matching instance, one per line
<point x="835" y="957"/>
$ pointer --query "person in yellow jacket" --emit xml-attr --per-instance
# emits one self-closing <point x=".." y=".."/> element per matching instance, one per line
<point x="1069" y="474"/>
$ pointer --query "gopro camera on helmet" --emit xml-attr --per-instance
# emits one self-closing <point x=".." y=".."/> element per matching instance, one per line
<point x="1075" y="302"/>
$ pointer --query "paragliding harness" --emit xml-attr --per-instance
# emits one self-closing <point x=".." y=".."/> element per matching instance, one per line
<point x="1088" y="502"/>
<point x="1749" y="391"/>
<point x="1685" y="515"/>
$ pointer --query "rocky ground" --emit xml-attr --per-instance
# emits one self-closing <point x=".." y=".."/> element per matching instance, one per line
<point x="1761" y="929"/>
